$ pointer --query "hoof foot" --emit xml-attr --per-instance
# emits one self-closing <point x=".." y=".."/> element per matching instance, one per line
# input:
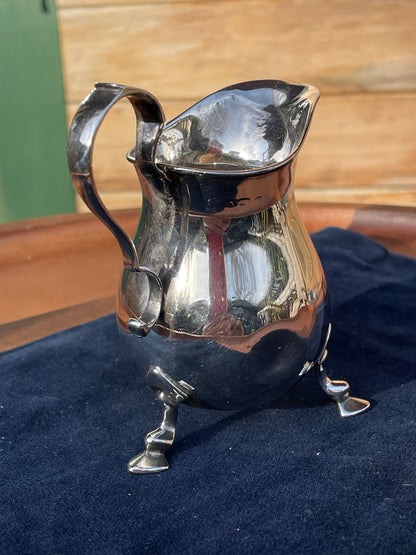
<point x="352" y="406"/>
<point x="148" y="463"/>
<point x="339" y="391"/>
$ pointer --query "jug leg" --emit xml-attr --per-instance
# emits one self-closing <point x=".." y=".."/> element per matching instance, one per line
<point x="171" y="393"/>
<point x="338" y="390"/>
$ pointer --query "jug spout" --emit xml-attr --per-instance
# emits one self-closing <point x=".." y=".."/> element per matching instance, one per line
<point x="234" y="150"/>
<point x="248" y="127"/>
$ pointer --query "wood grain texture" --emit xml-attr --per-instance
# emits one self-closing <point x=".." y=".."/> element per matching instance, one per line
<point x="388" y="196"/>
<point x="101" y="3"/>
<point x="33" y="328"/>
<point x="359" y="149"/>
<point x="50" y="263"/>
<point x="186" y="50"/>
<point x="362" y="55"/>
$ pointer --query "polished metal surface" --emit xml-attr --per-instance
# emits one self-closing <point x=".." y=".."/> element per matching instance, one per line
<point x="81" y="137"/>
<point x="171" y="394"/>
<point x="244" y="303"/>
<point x="338" y="390"/>
<point x="221" y="277"/>
<point x="242" y="128"/>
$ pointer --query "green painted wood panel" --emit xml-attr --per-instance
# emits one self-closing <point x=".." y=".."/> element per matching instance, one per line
<point x="34" y="180"/>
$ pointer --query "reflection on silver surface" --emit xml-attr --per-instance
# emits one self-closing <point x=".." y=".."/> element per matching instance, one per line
<point x="244" y="304"/>
<point x="241" y="127"/>
<point x="262" y="280"/>
<point x="221" y="274"/>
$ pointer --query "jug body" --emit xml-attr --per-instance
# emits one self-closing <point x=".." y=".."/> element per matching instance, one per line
<point x="223" y="300"/>
<point x="245" y="299"/>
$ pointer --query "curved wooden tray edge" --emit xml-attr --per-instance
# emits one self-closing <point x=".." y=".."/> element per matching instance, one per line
<point x="69" y="248"/>
<point x="392" y="226"/>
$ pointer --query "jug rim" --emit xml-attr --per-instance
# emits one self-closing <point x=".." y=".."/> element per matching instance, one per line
<point x="292" y="95"/>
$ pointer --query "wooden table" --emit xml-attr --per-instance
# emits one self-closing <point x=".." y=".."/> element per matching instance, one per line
<point x="62" y="271"/>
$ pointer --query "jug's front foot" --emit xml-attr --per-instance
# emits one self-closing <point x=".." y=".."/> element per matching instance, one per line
<point x="171" y="393"/>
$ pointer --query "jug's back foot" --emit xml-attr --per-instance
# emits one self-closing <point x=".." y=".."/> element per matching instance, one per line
<point x="148" y="463"/>
<point x="339" y="391"/>
<point x="171" y="393"/>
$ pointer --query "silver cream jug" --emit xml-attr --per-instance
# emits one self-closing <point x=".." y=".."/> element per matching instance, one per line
<point x="223" y="300"/>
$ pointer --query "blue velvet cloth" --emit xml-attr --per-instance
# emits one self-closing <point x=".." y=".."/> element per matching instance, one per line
<point x="289" y="477"/>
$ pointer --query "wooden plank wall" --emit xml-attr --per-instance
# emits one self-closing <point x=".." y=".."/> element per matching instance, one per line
<point x="361" y="54"/>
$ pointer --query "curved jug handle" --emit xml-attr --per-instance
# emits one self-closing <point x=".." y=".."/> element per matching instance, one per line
<point x="81" y="137"/>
